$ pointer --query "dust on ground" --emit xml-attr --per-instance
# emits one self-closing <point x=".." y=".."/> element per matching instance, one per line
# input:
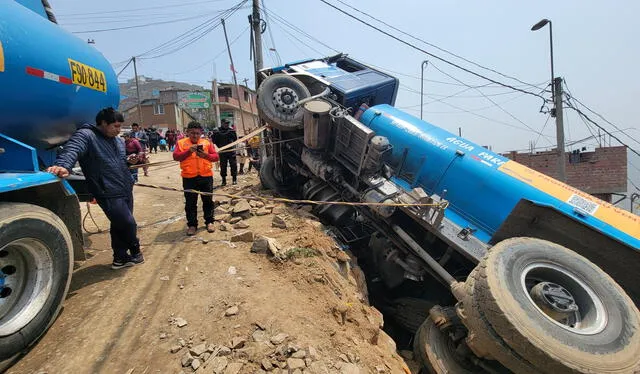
<point x="303" y="310"/>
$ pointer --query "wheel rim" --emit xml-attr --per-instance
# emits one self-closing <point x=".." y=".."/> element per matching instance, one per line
<point x="285" y="100"/>
<point x="26" y="279"/>
<point x="563" y="298"/>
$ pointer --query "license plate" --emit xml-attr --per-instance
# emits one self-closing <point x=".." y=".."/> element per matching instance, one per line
<point x="86" y="76"/>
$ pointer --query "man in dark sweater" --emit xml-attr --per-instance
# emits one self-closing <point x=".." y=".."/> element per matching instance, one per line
<point x="103" y="160"/>
<point x="226" y="135"/>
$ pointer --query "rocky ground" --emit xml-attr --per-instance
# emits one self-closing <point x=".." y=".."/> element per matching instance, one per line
<point x="268" y="292"/>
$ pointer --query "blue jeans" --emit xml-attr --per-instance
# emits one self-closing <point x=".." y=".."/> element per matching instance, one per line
<point x="124" y="228"/>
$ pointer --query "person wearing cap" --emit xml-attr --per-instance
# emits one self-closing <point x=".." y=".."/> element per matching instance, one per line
<point x="225" y="135"/>
<point x="196" y="156"/>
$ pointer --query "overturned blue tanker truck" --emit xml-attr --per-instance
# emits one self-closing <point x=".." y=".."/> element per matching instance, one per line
<point x="50" y="83"/>
<point x="513" y="271"/>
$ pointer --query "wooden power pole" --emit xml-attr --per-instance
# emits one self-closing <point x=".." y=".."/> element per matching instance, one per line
<point x="235" y="80"/>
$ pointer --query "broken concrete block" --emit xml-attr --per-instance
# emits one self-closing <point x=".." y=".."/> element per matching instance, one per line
<point x="237" y="342"/>
<point x="180" y="322"/>
<point x="241" y="206"/>
<point x="279" y="222"/>
<point x="246" y="236"/>
<point x="279" y="339"/>
<point x="223" y="217"/>
<point x="224" y="351"/>
<point x="233" y="368"/>
<point x="295" y="363"/>
<point x="219" y="211"/>
<point x="262" y="212"/>
<point x="197" y="350"/>
<point x="241" y="225"/>
<point x="218" y="364"/>
<point x="187" y="359"/>
<point x="195" y="364"/>
<point x="231" y="311"/>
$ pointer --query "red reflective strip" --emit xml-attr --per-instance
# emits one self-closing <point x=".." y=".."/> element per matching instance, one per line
<point x="41" y="73"/>
<point x="35" y="72"/>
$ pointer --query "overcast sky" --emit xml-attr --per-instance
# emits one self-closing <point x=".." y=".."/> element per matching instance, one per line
<point x="595" y="46"/>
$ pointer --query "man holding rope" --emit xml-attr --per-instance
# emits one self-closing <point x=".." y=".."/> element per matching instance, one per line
<point x="196" y="156"/>
<point x="103" y="161"/>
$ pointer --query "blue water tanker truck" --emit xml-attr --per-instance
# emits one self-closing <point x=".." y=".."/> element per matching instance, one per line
<point x="489" y="266"/>
<point x="50" y="83"/>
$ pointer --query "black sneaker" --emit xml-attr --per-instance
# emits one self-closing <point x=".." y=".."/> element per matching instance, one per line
<point x="137" y="259"/>
<point x="122" y="263"/>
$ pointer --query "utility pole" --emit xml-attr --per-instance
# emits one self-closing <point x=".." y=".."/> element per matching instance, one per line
<point x="257" y="36"/>
<point x="216" y="104"/>
<point x="135" y="72"/>
<point x="562" y="167"/>
<point x="233" y="70"/>
<point x="253" y="117"/>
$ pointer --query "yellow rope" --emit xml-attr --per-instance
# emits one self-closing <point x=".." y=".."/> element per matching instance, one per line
<point x="442" y="205"/>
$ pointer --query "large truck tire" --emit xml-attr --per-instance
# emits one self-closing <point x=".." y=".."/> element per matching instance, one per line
<point x="435" y="351"/>
<point x="278" y="98"/>
<point x="267" y="174"/>
<point x="538" y="307"/>
<point x="36" y="263"/>
<point x="409" y="312"/>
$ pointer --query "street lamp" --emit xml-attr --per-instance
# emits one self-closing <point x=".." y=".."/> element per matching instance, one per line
<point x="536" y="27"/>
<point x="556" y="111"/>
<point x="422" y="67"/>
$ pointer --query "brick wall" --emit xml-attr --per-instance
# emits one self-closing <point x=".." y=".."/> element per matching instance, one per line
<point x="601" y="172"/>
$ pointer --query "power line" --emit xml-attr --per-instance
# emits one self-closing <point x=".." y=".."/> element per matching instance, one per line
<point x="491" y="100"/>
<point x="213" y="59"/>
<point x="299" y="30"/>
<point x="190" y="36"/>
<point x="142" y="9"/>
<point x="486" y="118"/>
<point x="541" y="132"/>
<point x="128" y="63"/>
<point x="457" y="96"/>
<point x="433" y="45"/>
<point x="140" y="26"/>
<point x="597" y="114"/>
<point x="600" y="127"/>
<point x="431" y="54"/>
<point x="280" y="23"/>
<point x="273" y="43"/>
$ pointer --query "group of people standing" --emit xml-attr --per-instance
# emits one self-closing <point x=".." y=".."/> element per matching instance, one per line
<point x="105" y="160"/>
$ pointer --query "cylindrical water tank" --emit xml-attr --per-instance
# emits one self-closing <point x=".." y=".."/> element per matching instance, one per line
<point x="317" y="124"/>
<point x="50" y="81"/>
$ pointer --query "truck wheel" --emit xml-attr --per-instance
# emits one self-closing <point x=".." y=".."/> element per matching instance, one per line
<point x="409" y="312"/>
<point x="267" y="176"/>
<point x="277" y="101"/>
<point x="436" y="352"/>
<point x="543" y="308"/>
<point x="35" y="273"/>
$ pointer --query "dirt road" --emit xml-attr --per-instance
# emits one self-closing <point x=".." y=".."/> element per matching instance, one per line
<point x="126" y="321"/>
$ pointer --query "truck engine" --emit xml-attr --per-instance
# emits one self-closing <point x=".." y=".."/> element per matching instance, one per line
<point x="507" y="269"/>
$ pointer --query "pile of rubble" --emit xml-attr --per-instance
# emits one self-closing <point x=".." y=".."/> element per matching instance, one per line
<point x="261" y="352"/>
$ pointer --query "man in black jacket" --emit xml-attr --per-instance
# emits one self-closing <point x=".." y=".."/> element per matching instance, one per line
<point x="226" y="135"/>
<point x="104" y="163"/>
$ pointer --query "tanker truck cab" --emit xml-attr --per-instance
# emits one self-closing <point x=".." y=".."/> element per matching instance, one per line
<point x="492" y="266"/>
<point x="51" y="82"/>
